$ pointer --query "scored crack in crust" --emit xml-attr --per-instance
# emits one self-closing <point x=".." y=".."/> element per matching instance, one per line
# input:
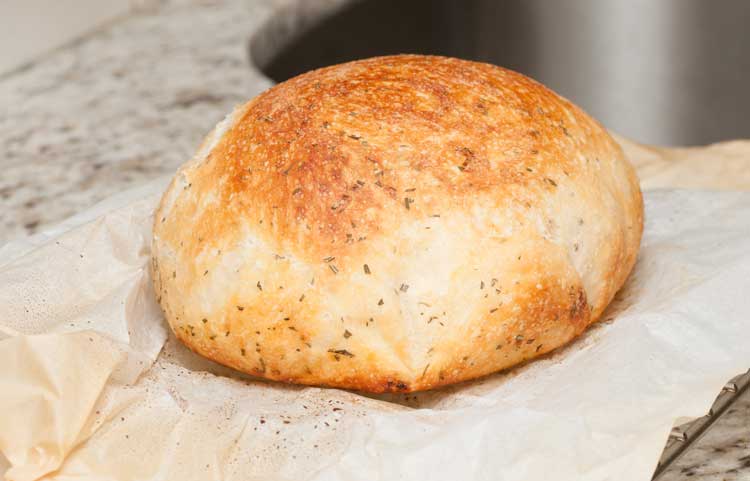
<point x="395" y="224"/>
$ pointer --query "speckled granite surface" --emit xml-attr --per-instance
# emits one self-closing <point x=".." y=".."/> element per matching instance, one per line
<point x="120" y="107"/>
<point x="132" y="101"/>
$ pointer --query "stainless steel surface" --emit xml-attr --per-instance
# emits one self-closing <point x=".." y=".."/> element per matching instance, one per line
<point x="671" y="72"/>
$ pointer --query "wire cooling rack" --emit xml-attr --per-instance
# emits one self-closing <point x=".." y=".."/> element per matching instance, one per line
<point x="684" y="435"/>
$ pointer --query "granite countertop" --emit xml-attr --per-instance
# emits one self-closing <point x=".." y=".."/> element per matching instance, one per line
<point x="133" y="100"/>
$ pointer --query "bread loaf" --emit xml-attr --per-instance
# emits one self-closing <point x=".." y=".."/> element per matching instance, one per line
<point x="395" y="224"/>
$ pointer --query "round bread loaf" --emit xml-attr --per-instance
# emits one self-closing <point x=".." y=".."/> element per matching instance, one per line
<point x="395" y="224"/>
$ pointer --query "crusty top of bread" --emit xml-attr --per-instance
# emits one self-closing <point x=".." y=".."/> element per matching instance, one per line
<point x="395" y="224"/>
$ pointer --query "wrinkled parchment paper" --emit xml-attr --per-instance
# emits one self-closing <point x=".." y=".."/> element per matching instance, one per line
<point x="94" y="387"/>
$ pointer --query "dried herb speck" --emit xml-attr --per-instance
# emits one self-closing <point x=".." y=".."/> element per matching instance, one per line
<point x="240" y="308"/>
<point x="367" y="269"/>
<point x="407" y="202"/>
<point x="260" y="287"/>
<point x="333" y="268"/>
<point x="380" y="302"/>
<point x="347" y="334"/>
<point x="329" y="259"/>
<point x="404" y="287"/>
<point x="342" y="352"/>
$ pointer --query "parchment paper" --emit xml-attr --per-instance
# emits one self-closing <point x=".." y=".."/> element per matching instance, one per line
<point x="94" y="387"/>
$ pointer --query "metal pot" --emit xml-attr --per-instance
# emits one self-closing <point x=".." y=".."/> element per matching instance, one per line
<point x="659" y="71"/>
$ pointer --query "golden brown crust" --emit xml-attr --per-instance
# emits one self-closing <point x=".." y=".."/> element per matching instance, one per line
<point x="395" y="224"/>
